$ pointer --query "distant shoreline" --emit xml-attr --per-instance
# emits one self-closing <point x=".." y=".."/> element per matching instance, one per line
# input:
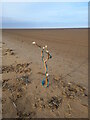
<point x="40" y="28"/>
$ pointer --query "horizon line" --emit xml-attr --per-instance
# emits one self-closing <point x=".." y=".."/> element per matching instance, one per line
<point x="47" y="28"/>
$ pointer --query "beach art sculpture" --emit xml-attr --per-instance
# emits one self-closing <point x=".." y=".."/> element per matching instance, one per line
<point x="44" y="50"/>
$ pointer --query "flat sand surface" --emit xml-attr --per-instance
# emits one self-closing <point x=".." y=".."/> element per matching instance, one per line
<point x="67" y="94"/>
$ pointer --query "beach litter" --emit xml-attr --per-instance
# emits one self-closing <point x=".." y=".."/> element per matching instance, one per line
<point x="22" y="114"/>
<point x="25" y="79"/>
<point x="7" y="69"/>
<point x="54" y="102"/>
<point x="19" y="68"/>
<point x="45" y="81"/>
<point x="39" y="103"/>
<point x="25" y="67"/>
<point x="9" y="51"/>
<point x="14" y="104"/>
<point x="72" y="90"/>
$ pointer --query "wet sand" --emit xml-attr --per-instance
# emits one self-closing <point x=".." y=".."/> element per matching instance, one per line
<point x="67" y="94"/>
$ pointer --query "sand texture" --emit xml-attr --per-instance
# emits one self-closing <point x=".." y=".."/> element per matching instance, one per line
<point x="22" y="72"/>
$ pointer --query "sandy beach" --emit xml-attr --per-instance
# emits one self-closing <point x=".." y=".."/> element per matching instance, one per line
<point x="67" y="94"/>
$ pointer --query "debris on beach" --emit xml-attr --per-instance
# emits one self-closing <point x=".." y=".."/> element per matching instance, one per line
<point x="19" y="68"/>
<point x="54" y="102"/>
<point x="5" y="80"/>
<point x="9" y="51"/>
<point x="44" y="49"/>
<point x="23" y="68"/>
<point x="69" y="109"/>
<point x="13" y="102"/>
<point x="39" y="103"/>
<point x="72" y="90"/>
<point x="20" y="79"/>
<point x="24" y="78"/>
<point x="58" y="78"/>
<point x="22" y="114"/>
<point x="4" y="85"/>
<point x="7" y="69"/>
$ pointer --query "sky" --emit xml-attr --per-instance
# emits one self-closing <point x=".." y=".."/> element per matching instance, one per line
<point x="45" y="15"/>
